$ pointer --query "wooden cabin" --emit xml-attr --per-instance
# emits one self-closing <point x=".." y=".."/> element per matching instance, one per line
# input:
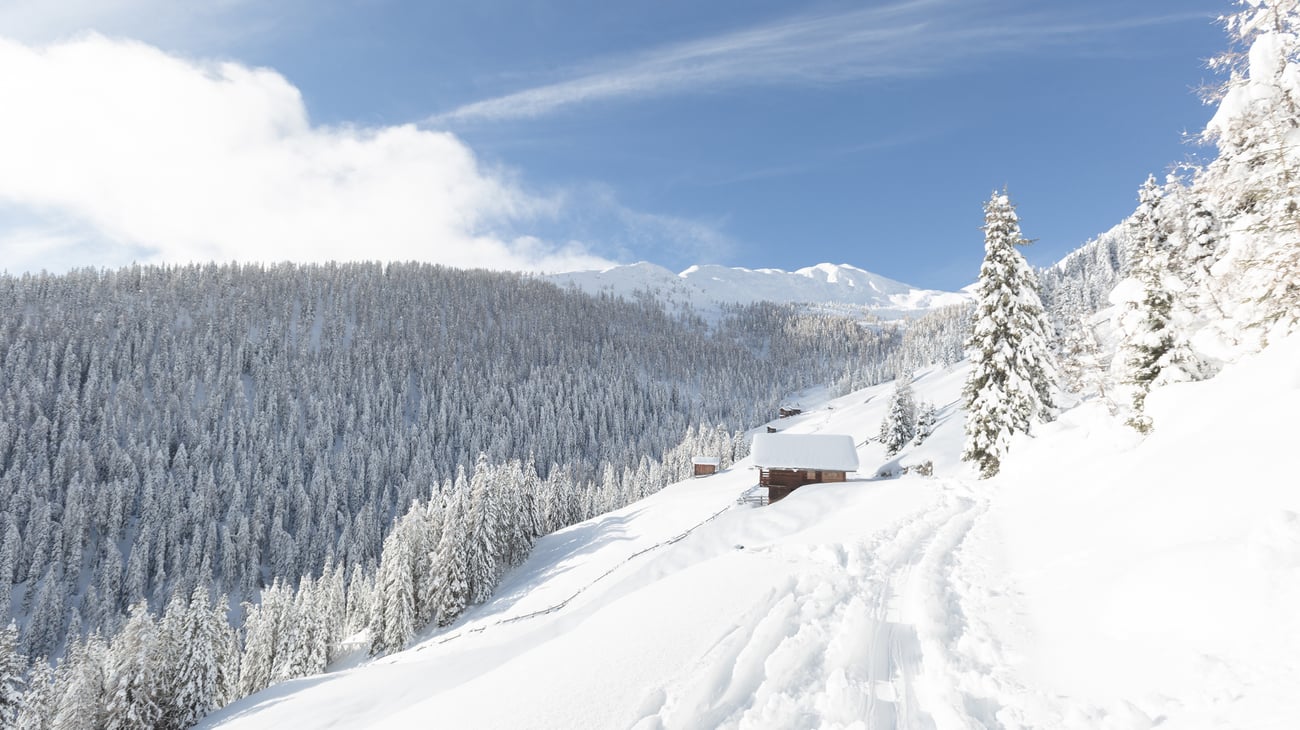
<point x="706" y="465"/>
<point x="787" y="461"/>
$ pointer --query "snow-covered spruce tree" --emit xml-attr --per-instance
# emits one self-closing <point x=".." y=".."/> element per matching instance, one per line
<point x="10" y="544"/>
<point x="522" y="520"/>
<point x="1153" y="349"/>
<point x="12" y="667"/>
<point x="302" y="638"/>
<point x="1013" y="371"/>
<point x="360" y="590"/>
<point x="79" y="687"/>
<point x="38" y="701"/>
<point x="335" y="599"/>
<point x="268" y="628"/>
<point x="451" y="561"/>
<point x="1254" y="183"/>
<point x="393" y="619"/>
<point x="426" y="522"/>
<point x="484" y="541"/>
<point x="1082" y="368"/>
<point x="133" y="674"/>
<point x="199" y="655"/>
<point x="926" y="418"/>
<point x="1200" y="240"/>
<point x="899" y="424"/>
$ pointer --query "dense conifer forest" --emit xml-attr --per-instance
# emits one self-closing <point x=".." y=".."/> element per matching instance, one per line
<point x="217" y="430"/>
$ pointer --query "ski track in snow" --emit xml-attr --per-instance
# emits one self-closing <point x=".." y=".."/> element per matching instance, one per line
<point x="886" y="632"/>
<point x="950" y="590"/>
<point x="865" y="637"/>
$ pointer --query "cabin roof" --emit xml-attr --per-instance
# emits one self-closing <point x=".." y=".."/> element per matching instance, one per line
<point x="828" y="452"/>
<point x="710" y="460"/>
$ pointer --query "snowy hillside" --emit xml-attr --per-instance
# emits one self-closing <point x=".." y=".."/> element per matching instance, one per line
<point x="706" y="287"/>
<point x="233" y="486"/>
<point x="1101" y="580"/>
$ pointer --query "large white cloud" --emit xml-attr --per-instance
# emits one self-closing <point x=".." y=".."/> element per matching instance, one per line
<point x="119" y="152"/>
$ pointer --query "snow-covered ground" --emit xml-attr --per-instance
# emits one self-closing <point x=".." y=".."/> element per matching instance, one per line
<point x="1102" y="580"/>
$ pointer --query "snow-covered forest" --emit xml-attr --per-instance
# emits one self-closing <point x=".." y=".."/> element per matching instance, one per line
<point x="233" y="431"/>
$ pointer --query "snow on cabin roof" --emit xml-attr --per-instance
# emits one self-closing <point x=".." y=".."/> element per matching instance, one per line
<point x="713" y="460"/>
<point x="830" y="452"/>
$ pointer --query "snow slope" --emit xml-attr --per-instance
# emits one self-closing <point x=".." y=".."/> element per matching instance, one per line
<point x="1101" y="581"/>
<point x="706" y="287"/>
<point x="1153" y="582"/>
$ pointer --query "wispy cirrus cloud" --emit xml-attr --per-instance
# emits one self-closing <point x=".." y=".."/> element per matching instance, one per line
<point x="591" y="212"/>
<point x="905" y="39"/>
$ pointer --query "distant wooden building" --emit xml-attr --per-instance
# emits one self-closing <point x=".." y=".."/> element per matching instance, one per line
<point x="787" y="461"/>
<point x="787" y="411"/>
<point x="706" y="465"/>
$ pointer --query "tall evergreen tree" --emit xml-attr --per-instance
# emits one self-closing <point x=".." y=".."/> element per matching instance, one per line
<point x="1013" y="371"/>
<point x="522" y="517"/>
<point x="452" y="561"/>
<point x="196" y="644"/>
<point x="134" y="674"/>
<point x="267" y="630"/>
<point x="927" y="417"/>
<point x="12" y="667"/>
<point x="37" y="709"/>
<point x="899" y="425"/>
<point x="484" y="540"/>
<point x="1153" y="349"/>
<point x="425" y="525"/>
<point x="1254" y="182"/>
<point x="1082" y="364"/>
<point x="80" y="688"/>
<point x="393" y="621"/>
<point x="333" y="612"/>
<point x="1201" y="239"/>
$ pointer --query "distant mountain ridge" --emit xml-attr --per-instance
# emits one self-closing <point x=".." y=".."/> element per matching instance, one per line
<point x="709" y="286"/>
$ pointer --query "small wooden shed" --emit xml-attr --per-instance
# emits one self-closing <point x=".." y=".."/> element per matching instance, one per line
<point x="787" y="461"/>
<point x="706" y="465"/>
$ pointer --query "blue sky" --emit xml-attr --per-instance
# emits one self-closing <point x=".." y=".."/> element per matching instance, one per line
<point x="560" y="134"/>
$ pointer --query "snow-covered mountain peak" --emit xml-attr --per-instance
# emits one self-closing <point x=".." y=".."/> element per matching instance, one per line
<point x="830" y="272"/>
<point x="708" y="286"/>
<point x="853" y="277"/>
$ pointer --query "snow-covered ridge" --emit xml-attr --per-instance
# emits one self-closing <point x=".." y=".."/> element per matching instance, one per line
<point x="706" y="287"/>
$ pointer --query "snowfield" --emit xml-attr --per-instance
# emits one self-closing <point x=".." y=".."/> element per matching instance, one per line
<point x="1102" y="580"/>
